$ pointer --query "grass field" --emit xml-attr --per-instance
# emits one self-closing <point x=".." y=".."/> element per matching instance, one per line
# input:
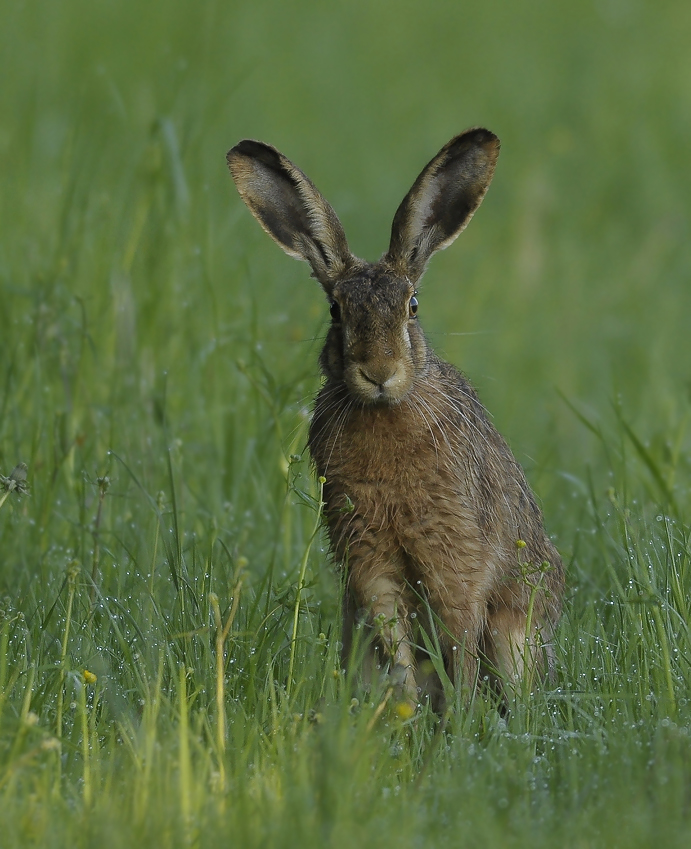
<point x="157" y="361"/>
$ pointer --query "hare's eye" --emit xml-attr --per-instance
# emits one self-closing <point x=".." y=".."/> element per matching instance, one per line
<point x="335" y="311"/>
<point x="412" y="307"/>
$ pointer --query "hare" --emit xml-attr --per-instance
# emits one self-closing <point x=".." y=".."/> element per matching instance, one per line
<point x="425" y="505"/>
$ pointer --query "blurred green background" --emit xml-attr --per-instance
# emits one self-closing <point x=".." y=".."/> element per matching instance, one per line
<point x="151" y="334"/>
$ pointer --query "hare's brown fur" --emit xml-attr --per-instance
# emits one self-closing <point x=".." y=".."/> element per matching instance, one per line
<point x="424" y="501"/>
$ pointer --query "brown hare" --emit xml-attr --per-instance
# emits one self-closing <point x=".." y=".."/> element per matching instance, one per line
<point x="425" y="504"/>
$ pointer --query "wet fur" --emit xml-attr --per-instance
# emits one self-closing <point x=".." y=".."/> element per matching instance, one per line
<point x="425" y="503"/>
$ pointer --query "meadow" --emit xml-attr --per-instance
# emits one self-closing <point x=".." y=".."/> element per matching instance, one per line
<point x="169" y="614"/>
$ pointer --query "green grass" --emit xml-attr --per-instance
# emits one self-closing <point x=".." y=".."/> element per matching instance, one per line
<point x="157" y="361"/>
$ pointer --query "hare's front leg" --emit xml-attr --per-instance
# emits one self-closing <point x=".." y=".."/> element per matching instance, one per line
<point x="456" y="596"/>
<point x="376" y="583"/>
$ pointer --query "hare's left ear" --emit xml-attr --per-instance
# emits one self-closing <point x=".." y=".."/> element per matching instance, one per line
<point x="442" y="200"/>
<point x="291" y="210"/>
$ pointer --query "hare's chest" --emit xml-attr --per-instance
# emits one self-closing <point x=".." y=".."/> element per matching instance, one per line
<point x="396" y="491"/>
<point x="381" y="447"/>
<point x="391" y="473"/>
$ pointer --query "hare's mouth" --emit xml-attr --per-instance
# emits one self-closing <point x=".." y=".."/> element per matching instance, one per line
<point x="376" y="385"/>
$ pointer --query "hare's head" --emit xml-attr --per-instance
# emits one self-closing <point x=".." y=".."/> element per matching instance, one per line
<point x="374" y="344"/>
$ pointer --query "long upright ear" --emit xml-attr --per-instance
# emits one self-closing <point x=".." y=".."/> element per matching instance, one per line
<point x="291" y="209"/>
<point x="442" y="200"/>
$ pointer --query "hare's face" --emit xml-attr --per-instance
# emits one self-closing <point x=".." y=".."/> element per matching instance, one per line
<point x="375" y="345"/>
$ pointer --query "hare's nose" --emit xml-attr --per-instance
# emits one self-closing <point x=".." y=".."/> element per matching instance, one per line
<point x="379" y="374"/>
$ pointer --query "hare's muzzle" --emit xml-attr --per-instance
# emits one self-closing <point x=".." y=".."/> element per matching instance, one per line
<point x="377" y="382"/>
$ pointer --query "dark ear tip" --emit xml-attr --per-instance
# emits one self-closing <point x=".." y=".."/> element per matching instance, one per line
<point x="482" y="135"/>
<point x="477" y="136"/>
<point x="251" y="149"/>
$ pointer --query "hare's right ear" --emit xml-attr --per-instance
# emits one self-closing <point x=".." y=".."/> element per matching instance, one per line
<point x="291" y="210"/>
<point x="442" y="200"/>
